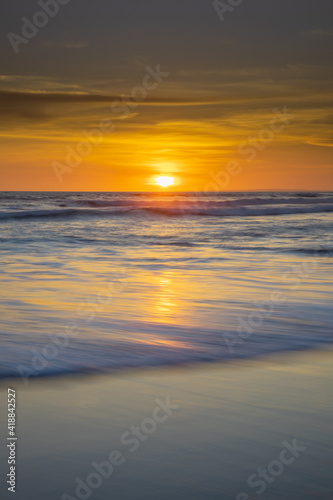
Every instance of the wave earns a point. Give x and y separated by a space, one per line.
72 212
23 214
200 210
203 199
100 355
239 211
326 251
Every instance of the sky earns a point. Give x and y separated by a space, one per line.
108 95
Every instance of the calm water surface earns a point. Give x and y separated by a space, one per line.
97 281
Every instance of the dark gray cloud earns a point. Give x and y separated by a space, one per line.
265 54
106 39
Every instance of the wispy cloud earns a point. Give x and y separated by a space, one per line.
321 32
65 44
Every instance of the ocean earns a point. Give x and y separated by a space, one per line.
103 281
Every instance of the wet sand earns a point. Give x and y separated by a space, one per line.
231 420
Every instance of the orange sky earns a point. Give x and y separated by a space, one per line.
198 110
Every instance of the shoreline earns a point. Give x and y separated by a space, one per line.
268 357
231 419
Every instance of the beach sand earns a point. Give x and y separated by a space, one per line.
232 419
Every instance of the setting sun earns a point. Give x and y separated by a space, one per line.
164 181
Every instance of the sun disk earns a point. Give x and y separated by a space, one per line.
164 181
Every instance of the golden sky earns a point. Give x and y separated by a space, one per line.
243 104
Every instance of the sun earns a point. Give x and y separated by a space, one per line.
164 181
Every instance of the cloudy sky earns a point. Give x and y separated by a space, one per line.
105 95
